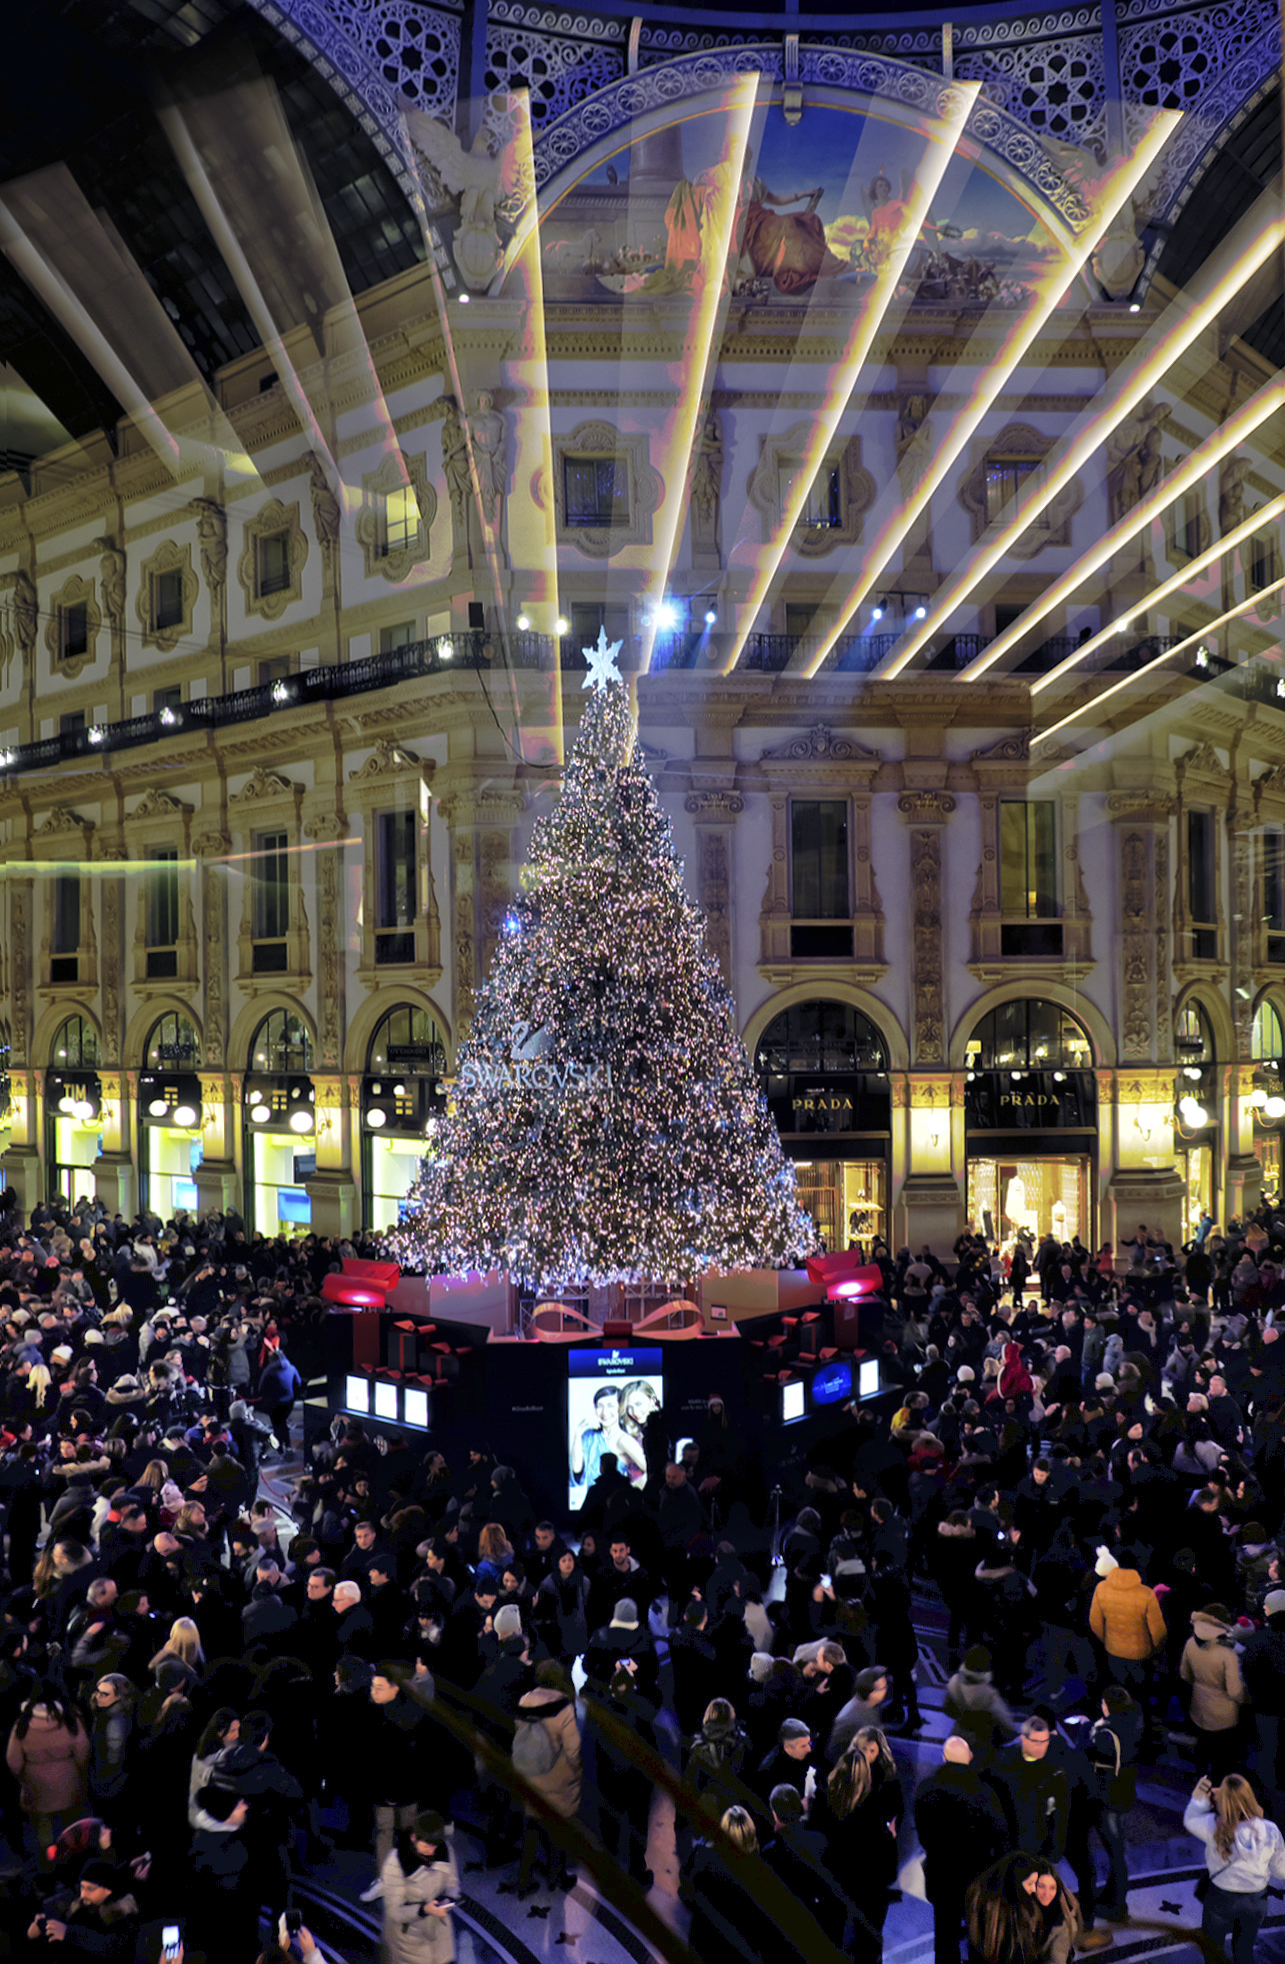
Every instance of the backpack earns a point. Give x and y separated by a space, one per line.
535 1750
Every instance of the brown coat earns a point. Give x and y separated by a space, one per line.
49 1765
1125 1616
1212 1669
560 1787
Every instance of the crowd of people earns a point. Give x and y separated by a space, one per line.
204 1689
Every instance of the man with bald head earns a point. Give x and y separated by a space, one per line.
961 1830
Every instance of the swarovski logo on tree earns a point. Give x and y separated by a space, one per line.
606 1124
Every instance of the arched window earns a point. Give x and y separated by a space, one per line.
75 1047
1193 1038
1268 1042
1029 1035
407 1039
281 1043
173 1044
820 1039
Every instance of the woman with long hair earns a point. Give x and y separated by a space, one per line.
860 1838
494 1551
421 1884
223 1729
47 1754
1244 1853
1061 1926
727 1924
639 1400
183 1646
1005 1923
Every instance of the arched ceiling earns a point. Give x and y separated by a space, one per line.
81 80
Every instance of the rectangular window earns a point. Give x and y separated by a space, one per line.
65 937
167 598
1005 477
397 868
400 636
162 897
171 698
274 669
398 521
71 722
1191 536
595 490
1261 559
823 505
273 561
73 631
1028 859
1200 865
271 891
819 877
1274 879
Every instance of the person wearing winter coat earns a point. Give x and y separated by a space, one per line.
279 1386
560 1609
421 1884
1113 1789
1211 1667
976 1708
48 1754
1126 1619
1243 1854
546 1761
1262 1670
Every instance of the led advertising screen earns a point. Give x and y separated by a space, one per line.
868 1377
357 1394
610 1396
415 1408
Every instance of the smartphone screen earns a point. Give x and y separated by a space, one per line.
170 1940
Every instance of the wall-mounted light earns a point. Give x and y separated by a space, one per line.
159 1107
376 1118
186 1116
96 733
1274 1107
562 625
301 1121
446 649
259 1114
524 622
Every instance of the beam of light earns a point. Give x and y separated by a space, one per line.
50 288
1256 522
82 270
904 514
1268 401
1086 709
1183 322
691 372
532 523
174 122
940 145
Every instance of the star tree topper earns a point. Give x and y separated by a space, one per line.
603 667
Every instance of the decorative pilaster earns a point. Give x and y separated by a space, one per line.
926 811
19 969
210 849
112 957
715 814
329 826
1142 820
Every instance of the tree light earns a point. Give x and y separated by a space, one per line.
524 622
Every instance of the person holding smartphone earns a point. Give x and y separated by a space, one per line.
421 1886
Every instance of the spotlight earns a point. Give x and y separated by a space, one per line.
96 733
1122 627
378 1090
524 622
1275 1107
375 1118
1258 1098
667 614
1202 657
464 299
280 692
876 613
562 625
1059 1077
711 618
1135 306
446 649
301 1121
158 1107
67 1103
186 1116
920 614
259 1114
168 718
399 1091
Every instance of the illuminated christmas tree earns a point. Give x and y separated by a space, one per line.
605 1124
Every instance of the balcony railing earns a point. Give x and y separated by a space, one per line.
767 654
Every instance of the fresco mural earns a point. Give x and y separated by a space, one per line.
821 207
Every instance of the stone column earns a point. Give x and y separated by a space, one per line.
23 1161
218 1182
932 1203
715 813
1145 1185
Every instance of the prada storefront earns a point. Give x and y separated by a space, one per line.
824 1073
1030 1113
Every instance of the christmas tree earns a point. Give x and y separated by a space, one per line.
605 1124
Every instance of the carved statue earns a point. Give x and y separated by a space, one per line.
455 466
911 416
478 180
212 531
1231 495
326 513
490 440
707 488
26 612
111 571
1134 463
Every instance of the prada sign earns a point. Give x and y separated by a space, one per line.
1034 1101
855 1102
